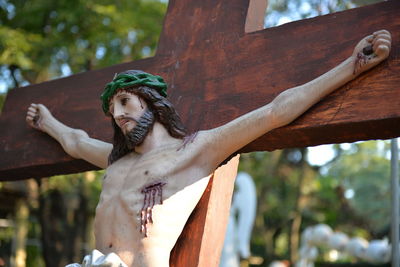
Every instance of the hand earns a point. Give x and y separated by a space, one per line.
36 115
371 50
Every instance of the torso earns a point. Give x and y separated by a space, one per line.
118 214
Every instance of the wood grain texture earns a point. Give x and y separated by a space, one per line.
200 244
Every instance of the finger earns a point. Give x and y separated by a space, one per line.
31 114
30 121
381 42
369 38
382 51
41 106
32 109
382 36
382 32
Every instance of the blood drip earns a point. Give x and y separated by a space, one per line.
188 139
152 195
360 61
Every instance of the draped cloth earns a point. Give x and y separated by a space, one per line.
98 259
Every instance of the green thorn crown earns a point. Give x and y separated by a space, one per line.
129 80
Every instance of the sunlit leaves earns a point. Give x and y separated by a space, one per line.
48 39
16 45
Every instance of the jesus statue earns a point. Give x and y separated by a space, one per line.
156 172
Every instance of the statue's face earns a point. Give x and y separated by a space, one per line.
126 108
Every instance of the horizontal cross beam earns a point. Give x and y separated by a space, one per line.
217 72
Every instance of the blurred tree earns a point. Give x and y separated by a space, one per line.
283 11
351 193
66 206
363 174
284 181
44 39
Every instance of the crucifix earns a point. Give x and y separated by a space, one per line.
220 66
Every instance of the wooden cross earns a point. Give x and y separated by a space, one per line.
218 68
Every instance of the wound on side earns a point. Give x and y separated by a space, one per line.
152 195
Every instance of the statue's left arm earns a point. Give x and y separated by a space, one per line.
290 104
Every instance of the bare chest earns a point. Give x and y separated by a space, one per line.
134 185
146 201
133 174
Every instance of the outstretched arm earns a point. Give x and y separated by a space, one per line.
290 104
75 142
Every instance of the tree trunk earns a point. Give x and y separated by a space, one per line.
296 223
21 232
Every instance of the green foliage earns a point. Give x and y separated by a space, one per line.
364 169
33 255
73 184
283 11
283 179
46 39
2 100
6 233
16 45
350 193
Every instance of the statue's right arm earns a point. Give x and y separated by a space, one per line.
75 142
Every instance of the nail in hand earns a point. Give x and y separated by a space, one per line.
368 50
36 120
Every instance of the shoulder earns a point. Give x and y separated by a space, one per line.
199 147
190 146
195 141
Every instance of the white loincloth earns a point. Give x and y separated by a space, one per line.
98 259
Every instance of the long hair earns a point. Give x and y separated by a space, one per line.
164 112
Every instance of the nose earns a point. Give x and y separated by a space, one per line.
117 110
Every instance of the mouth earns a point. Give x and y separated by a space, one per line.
124 121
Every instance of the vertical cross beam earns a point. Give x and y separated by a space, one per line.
200 243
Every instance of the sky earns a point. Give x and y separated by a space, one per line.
319 155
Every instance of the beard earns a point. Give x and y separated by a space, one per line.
144 125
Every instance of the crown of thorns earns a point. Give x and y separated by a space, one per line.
122 81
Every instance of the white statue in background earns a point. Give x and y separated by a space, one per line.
321 235
240 224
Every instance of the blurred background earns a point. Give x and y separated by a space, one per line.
48 222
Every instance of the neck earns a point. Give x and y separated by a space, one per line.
156 138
